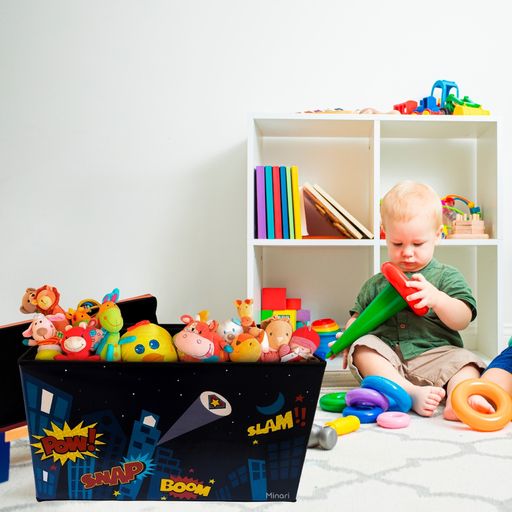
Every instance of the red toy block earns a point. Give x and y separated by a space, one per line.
273 298
293 304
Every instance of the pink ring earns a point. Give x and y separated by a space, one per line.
392 419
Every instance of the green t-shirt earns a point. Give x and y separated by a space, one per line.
417 334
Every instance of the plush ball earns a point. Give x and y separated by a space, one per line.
151 343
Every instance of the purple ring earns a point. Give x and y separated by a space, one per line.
366 397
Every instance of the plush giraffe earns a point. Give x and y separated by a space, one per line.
244 308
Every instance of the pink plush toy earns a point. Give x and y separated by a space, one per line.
43 334
303 344
199 341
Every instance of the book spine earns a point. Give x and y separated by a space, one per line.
284 203
290 202
278 218
261 211
269 202
296 201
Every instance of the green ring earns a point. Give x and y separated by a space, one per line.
333 402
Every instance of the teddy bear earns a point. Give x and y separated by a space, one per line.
278 332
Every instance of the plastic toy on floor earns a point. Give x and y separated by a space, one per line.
344 425
391 300
393 420
322 437
477 420
333 402
375 396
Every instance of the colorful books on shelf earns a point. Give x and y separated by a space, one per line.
277 204
284 210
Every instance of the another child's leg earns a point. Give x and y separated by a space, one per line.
425 399
499 376
470 371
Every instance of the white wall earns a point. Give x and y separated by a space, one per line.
123 126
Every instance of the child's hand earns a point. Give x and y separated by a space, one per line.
427 292
344 353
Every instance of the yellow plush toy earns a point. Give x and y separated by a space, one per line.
246 349
148 343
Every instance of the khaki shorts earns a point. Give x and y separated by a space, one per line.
434 367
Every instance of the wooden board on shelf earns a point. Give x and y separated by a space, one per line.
367 233
338 221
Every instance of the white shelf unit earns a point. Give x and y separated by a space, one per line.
357 159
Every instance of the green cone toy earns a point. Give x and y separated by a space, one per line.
388 302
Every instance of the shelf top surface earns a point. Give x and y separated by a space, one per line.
364 125
318 242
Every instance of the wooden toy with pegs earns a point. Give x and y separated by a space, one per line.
468 226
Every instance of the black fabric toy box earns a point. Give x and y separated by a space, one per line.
168 431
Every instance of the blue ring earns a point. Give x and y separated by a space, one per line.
403 401
365 415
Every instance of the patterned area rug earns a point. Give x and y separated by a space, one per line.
433 465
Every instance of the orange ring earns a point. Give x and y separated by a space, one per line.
477 420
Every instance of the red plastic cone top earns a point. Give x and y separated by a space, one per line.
391 300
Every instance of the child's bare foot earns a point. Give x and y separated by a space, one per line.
480 404
425 399
449 413
477 402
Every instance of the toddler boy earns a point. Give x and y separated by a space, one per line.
424 355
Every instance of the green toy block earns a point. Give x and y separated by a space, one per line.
266 313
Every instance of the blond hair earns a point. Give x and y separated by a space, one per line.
407 200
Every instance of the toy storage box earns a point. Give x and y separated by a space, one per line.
168 431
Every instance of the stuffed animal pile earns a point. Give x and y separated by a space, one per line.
92 332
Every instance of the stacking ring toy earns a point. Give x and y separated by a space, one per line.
333 402
365 415
392 419
477 420
344 425
366 397
389 388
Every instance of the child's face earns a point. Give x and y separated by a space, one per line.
411 243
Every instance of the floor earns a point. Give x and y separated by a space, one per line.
433 465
